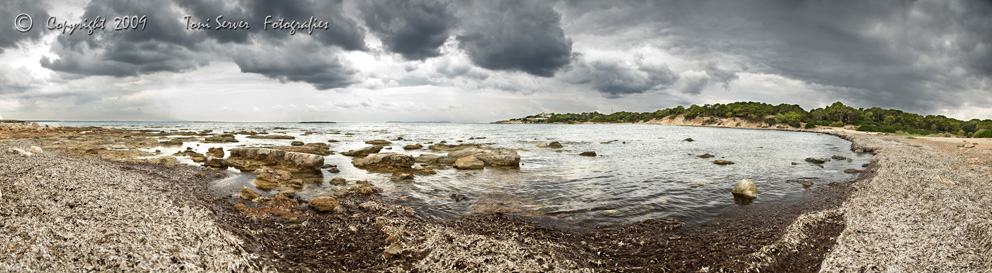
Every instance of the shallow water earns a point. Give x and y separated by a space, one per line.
648 172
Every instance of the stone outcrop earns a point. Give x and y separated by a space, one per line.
363 151
309 148
220 138
491 157
384 162
413 147
469 163
249 159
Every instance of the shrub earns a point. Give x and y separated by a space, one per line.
837 124
771 121
795 124
810 125
987 133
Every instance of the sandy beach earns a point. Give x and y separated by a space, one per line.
920 205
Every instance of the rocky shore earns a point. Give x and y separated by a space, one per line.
918 206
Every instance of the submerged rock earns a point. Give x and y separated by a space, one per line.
593 154
296 143
323 204
469 163
689 139
413 147
706 155
378 142
249 194
363 151
722 162
852 171
445 147
339 181
220 138
745 188
271 137
838 157
816 160
555 144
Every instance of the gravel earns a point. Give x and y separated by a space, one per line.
62 213
909 217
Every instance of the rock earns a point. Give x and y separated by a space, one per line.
745 188
118 147
220 138
19 151
838 157
457 197
172 142
364 151
271 137
852 171
378 142
944 180
722 162
35 150
806 183
339 181
253 158
215 152
413 147
364 187
689 139
542 145
587 153
249 194
816 160
215 162
491 157
706 155
859 151
309 148
323 204
445 147
296 143
974 160
469 163
333 170
402 176
332 140
795 163
384 162
554 144
429 159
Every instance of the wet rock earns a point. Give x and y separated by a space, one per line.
469 163
35 150
378 142
457 197
588 153
338 181
249 194
542 145
364 187
445 147
852 171
554 144
296 143
806 183
384 162
491 157
413 147
816 160
429 159
859 151
220 138
215 152
838 157
271 137
253 158
722 162
706 155
333 170
323 204
745 188
402 176
332 140
172 142
689 139
309 148
364 151
795 163
215 162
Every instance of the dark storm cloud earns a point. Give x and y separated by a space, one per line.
889 53
515 35
616 78
10 36
298 62
414 29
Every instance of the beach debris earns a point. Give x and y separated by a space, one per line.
554 144
722 162
745 188
413 146
364 151
590 153
19 151
469 163
944 180
296 143
974 160
706 155
817 161
323 204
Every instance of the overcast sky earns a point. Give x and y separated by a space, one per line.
480 61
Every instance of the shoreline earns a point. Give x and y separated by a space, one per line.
371 233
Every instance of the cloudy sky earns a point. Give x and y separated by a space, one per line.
479 61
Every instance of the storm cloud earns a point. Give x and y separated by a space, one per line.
9 35
414 29
515 35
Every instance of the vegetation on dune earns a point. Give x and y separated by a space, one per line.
873 119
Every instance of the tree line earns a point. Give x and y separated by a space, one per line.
873 119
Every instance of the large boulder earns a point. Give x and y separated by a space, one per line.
384 162
491 157
745 188
364 151
469 163
253 158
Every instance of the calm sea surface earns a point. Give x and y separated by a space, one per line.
648 172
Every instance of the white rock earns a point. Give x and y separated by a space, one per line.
36 149
746 188
19 151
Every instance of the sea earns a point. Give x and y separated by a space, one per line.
640 171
